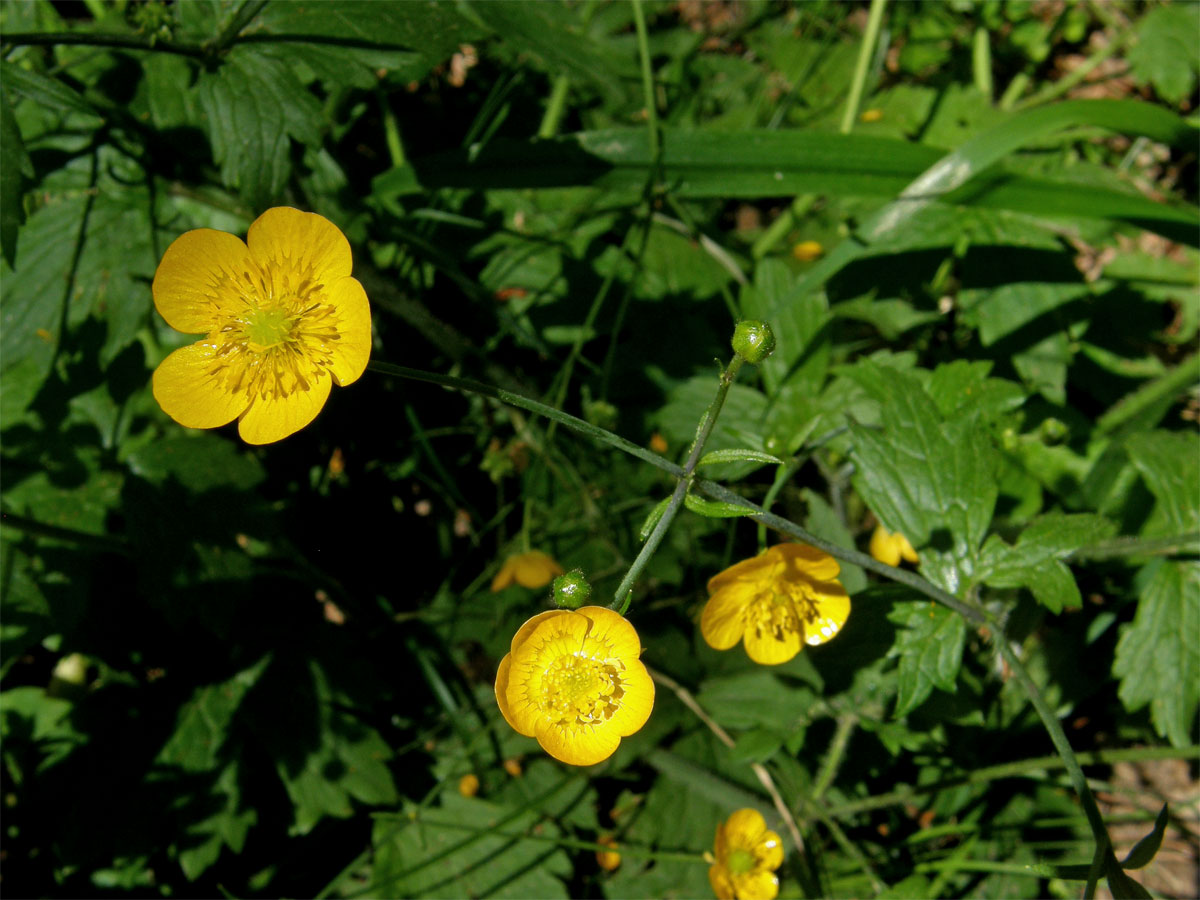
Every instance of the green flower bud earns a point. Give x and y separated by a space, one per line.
570 591
753 340
1053 431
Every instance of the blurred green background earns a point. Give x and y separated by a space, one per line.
262 671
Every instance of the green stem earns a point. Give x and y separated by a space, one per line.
782 477
555 106
625 589
779 229
639 21
244 16
124 41
391 130
866 51
1135 546
981 62
1056 89
833 759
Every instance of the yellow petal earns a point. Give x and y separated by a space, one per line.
535 569
746 569
723 621
769 852
801 558
612 632
196 279
757 884
883 548
833 609
186 389
767 650
532 623
582 745
273 419
637 702
502 678
302 242
504 577
353 347
718 877
744 828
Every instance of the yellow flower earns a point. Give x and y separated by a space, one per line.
747 856
573 680
807 251
512 766
871 115
468 785
533 569
776 602
610 859
282 318
889 547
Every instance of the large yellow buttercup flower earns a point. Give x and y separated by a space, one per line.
282 318
777 602
747 855
574 680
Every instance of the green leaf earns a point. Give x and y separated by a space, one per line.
962 388
199 461
1170 466
740 423
775 705
930 480
468 847
48 93
756 746
1125 888
802 333
714 509
1034 562
203 722
252 103
1157 657
929 645
1165 53
737 455
1146 849
15 166
653 518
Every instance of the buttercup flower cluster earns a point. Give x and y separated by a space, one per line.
282 321
775 603
574 680
747 855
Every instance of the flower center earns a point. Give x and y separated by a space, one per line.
580 690
775 614
740 861
282 338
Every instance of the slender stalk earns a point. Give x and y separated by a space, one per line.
833 758
639 21
866 50
244 16
981 62
625 588
96 39
555 106
1056 89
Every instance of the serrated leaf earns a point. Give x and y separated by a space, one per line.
962 388
1158 657
1146 849
714 509
1034 562
1165 53
204 720
1170 465
252 103
929 647
931 481
737 455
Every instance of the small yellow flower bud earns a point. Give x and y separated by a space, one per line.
807 251
512 766
607 859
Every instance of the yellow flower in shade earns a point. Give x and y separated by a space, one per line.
532 569
573 680
609 859
282 322
776 602
468 785
747 856
512 766
889 547
807 251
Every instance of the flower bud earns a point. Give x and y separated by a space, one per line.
570 591
753 340
1053 431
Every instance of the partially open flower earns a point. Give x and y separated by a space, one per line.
747 856
574 681
890 547
532 569
777 602
282 321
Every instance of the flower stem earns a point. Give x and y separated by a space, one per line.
639 21
625 589
866 52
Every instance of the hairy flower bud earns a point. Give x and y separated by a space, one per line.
570 591
753 340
